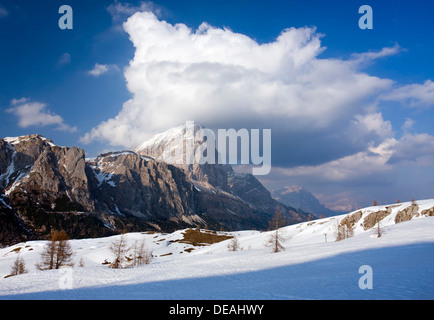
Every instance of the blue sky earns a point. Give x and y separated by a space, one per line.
361 126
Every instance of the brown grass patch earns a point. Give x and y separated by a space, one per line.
197 237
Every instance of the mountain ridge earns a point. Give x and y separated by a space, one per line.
44 186
300 198
217 176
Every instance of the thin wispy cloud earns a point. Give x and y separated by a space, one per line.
121 11
370 56
64 59
3 12
408 125
413 95
100 69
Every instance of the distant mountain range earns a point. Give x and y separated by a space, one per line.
297 197
44 186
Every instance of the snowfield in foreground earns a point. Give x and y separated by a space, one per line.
312 266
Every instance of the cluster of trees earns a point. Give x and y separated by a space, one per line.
127 256
344 230
58 253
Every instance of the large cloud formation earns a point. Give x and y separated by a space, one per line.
324 113
221 78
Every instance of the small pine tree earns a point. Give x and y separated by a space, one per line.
119 249
234 245
141 255
18 267
64 252
339 232
57 252
276 238
379 229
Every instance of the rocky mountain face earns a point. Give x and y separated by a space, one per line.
216 177
44 186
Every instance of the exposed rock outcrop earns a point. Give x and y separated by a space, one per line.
407 213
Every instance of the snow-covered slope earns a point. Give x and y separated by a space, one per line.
312 266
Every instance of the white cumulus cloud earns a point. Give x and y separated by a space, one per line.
220 78
33 113
98 69
325 113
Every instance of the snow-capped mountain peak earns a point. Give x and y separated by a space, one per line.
174 145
